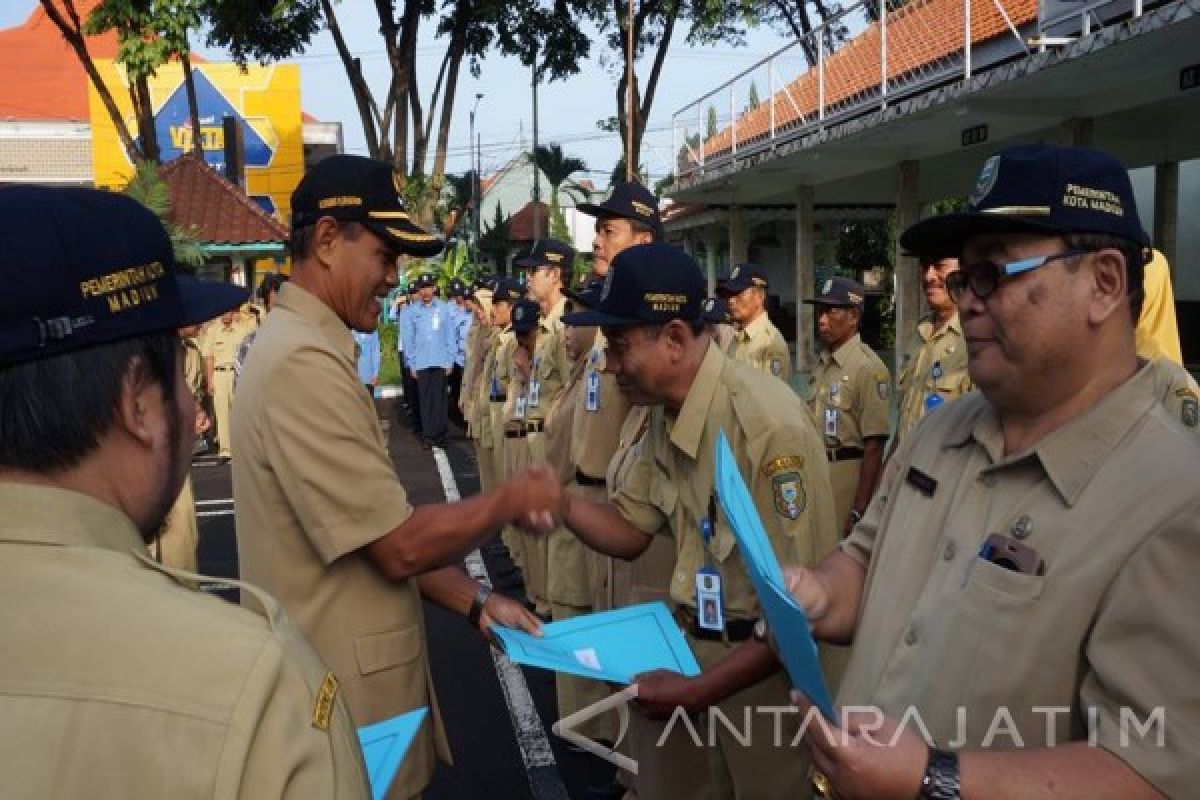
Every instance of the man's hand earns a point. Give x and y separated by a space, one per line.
870 756
809 590
660 691
540 499
500 610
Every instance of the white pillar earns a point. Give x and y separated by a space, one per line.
908 287
806 277
711 246
739 246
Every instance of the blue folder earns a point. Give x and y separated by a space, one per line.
611 646
384 745
788 623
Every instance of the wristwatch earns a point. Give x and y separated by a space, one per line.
855 516
940 781
481 598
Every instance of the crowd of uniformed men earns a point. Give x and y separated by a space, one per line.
1022 538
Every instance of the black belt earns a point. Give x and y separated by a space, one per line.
588 480
498 398
736 630
514 433
535 426
844 454
223 369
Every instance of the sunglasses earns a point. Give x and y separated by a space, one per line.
984 276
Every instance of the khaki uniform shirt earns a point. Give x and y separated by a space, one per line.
934 364
595 436
850 398
761 345
193 368
474 352
779 454
1177 390
508 383
221 343
313 485
481 400
1108 503
550 369
118 682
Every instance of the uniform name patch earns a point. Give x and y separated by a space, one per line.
323 708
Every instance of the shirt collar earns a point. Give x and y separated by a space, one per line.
305 305
842 354
688 426
755 327
48 515
1071 455
548 319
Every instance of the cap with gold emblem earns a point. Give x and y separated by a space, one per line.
627 200
742 278
647 284
525 316
357 189
839 292
84 267
548 253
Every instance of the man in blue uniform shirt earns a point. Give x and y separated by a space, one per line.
429 333
462 326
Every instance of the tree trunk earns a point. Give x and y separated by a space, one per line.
189 83
368 112
73 35
144 108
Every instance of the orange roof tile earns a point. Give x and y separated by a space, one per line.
220 212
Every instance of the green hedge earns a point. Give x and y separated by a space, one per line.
389 361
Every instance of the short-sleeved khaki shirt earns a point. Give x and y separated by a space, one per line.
934 366
596 435
313 485
762 346
779 454
221 343
119 682
1177 390
851 395
550 369
1108 502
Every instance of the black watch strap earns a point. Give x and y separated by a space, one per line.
940 781
477 604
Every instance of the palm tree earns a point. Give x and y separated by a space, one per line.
457 196
558 169
148 188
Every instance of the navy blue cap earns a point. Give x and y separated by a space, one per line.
359 189
647 284
627 200
742 278
83 267
548 253
839 291
525 316
485 282
506 290
425 279
716 310
1038 189
457 288
588 295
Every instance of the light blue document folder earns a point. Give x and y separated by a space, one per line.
609 646
384 745
788 623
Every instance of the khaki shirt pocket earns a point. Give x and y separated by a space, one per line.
379 651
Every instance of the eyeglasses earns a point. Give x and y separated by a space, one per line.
984 276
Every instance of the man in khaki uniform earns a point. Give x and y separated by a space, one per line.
661 353
933 370
221 344
756 340
321 517
479 338
118 681
504 388
1025 582
849 399
175 545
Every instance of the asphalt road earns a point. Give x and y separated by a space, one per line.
490 759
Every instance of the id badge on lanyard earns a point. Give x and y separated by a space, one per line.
519 409
437 320
710 604
831 412
593 391
932 398
535 385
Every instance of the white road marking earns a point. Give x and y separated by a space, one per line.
227 501
544 781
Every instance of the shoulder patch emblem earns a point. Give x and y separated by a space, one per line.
323 708
776 367
1190 413
788 490
782 464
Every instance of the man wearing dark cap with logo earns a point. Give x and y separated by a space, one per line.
322 519
629 216
430 332
1024 583
461 318
757 341
112 667
479 305
662 355
850 396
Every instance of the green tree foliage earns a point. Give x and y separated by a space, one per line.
752 101
495 243
710 123
148 188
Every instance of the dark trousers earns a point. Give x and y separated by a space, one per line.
455 381
411 402
431 389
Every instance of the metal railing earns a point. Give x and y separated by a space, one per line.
858 60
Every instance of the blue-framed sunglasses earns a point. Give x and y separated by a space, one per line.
984 276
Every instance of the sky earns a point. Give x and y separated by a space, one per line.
568 110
